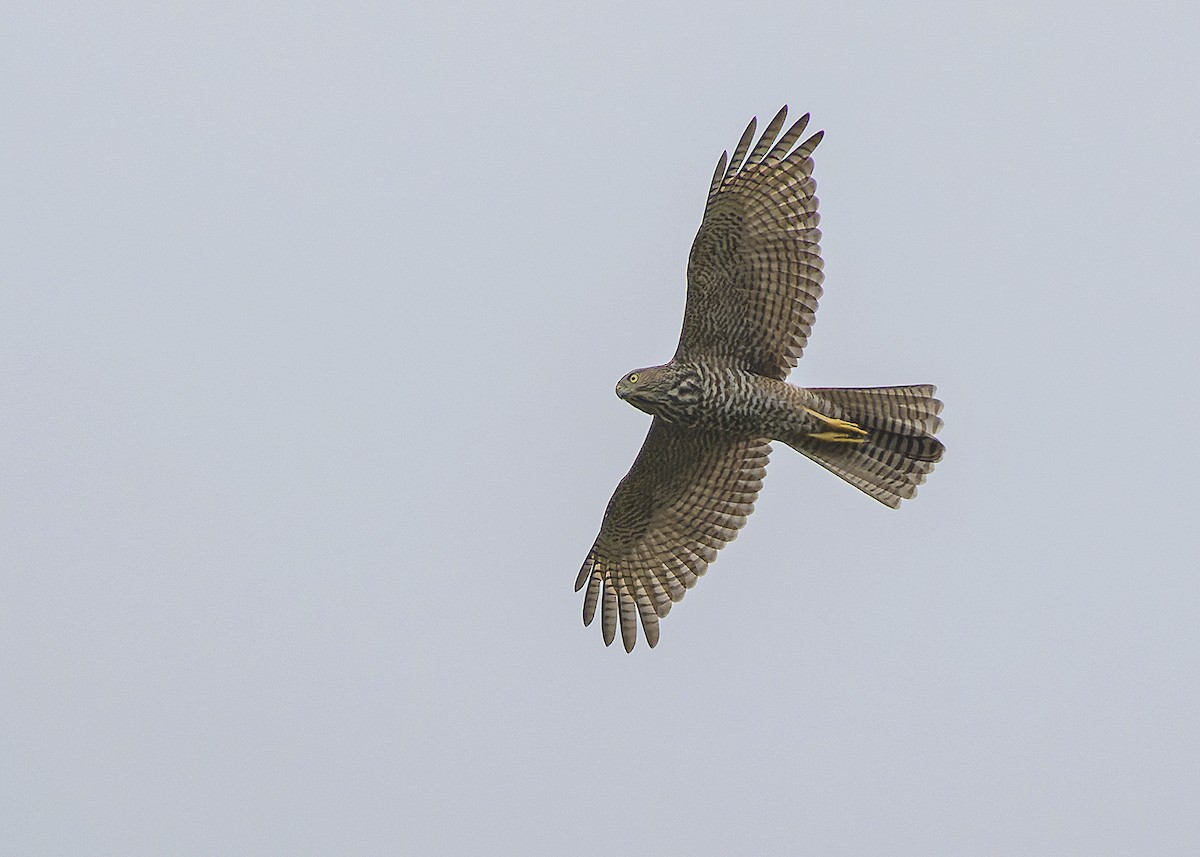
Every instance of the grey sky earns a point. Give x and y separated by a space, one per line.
309 323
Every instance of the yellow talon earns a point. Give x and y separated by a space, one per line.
842 426
837 437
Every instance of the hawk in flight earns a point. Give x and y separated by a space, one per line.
753 281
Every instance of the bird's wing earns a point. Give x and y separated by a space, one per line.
688 493
754 272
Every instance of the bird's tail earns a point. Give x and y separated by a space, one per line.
879 439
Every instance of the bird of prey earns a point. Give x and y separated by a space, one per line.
753 281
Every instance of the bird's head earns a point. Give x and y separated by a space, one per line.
670 391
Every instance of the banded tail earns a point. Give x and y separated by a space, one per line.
879 439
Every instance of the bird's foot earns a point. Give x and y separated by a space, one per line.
841 431
837 437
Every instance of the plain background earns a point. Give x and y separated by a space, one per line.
309 321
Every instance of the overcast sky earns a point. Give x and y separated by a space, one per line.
309 324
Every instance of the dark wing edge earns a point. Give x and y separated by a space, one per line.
685 497
755 269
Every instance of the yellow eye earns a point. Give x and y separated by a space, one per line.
633 378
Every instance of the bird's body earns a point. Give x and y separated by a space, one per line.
728 399
754 278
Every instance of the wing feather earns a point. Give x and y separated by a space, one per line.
768 135
789 138
743 146
755 269
686 496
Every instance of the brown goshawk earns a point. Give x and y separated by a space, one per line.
753 281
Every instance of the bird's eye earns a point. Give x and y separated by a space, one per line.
633 378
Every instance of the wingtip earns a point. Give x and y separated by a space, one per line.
585 571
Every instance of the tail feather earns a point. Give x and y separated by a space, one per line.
899 449
900 410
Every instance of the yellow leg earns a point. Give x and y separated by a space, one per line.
843 431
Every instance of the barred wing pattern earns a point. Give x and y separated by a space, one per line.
754 272
686 496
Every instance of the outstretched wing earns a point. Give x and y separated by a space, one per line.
754 272
686 496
